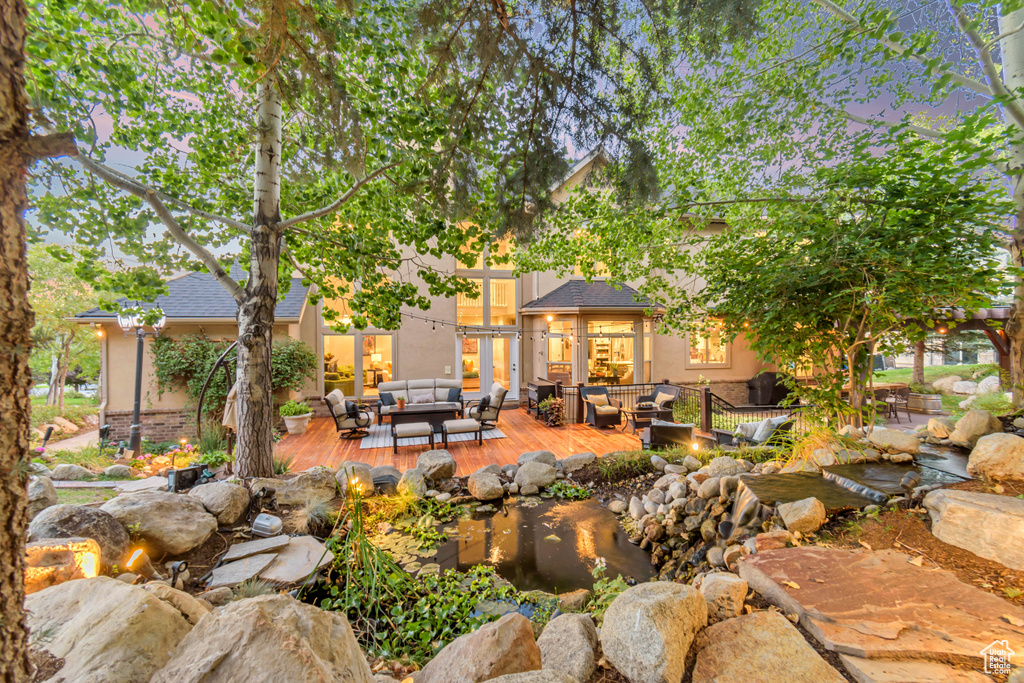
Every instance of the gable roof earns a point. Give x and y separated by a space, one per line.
580 294
198 296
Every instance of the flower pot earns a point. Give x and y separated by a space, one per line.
925 403
401 404
297 424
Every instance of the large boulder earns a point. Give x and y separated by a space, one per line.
965 387
170 523
105 630
724 466
485 486
987 525
725 594
74 521
316 483
119 472
989 384
66 472
568 645
227 502
894 441
761 646
546 457
944 385
358 476
577 462
413 482
268 639
536 473
41 495
505 646
998 456
941 427
50 561
974 425
542 676
648 629
437 465
805 516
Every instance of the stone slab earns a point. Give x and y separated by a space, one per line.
909 671
773 489
885 477
85 484
875 604
985 524
301 557
147 484
234 573
260 545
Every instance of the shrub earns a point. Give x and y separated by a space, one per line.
283 465
554 411
213 459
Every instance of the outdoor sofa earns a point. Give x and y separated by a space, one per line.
439 393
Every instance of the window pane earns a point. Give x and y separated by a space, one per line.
470 311
340 364
503 302
470 364
559 359
500 249
501 353
560 327
707 349
610 327
377 362
610 360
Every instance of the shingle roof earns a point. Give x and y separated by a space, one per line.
582 294
199 296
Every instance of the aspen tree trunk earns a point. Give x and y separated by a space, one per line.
917 376
15 328
256 312
1012 53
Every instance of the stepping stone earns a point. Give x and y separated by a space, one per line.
301 557
147 484
234 573
987 525
877 605
888 671
260 545
84 484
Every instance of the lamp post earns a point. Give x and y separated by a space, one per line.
133 323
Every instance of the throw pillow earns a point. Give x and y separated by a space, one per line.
351 409
387 398
422 398
453 394
599 400
485 402
661 397
764 430
417 395
748 429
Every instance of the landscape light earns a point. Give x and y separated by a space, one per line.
695 445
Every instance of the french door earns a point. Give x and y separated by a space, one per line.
484 360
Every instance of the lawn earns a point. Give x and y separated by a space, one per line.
84 496
934 372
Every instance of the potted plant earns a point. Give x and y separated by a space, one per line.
401 402
217 461
296 416
553 410
923 399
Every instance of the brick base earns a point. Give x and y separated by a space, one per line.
157 425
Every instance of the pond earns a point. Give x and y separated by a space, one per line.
547 545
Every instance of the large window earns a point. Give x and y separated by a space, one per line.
648 349
357 363
495 307
559 348
610 352
340 364
708 348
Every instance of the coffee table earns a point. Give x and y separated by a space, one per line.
424 413
640 418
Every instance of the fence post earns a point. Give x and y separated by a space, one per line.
558 388
705 410
665 381
579 402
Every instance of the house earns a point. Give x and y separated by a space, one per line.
535 325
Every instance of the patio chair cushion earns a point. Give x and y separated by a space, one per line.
599 400
461 426
407 429
606 410
335 398
661 397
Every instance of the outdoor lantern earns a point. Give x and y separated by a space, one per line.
129 322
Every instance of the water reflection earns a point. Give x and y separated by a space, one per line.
551 547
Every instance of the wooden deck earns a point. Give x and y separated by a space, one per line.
320 445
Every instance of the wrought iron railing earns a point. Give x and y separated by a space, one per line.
627 393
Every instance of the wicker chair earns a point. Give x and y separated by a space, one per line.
664 396
348 426
602 409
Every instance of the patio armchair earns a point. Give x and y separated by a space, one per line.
486 410
602 409
664 396
768 432
351 419
896 400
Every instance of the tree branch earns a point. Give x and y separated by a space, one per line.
200 252
50 146
905 51
132 186
337 204
988 66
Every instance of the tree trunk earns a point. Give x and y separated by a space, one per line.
1012 53
917 377
16 322
256 312
51 389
